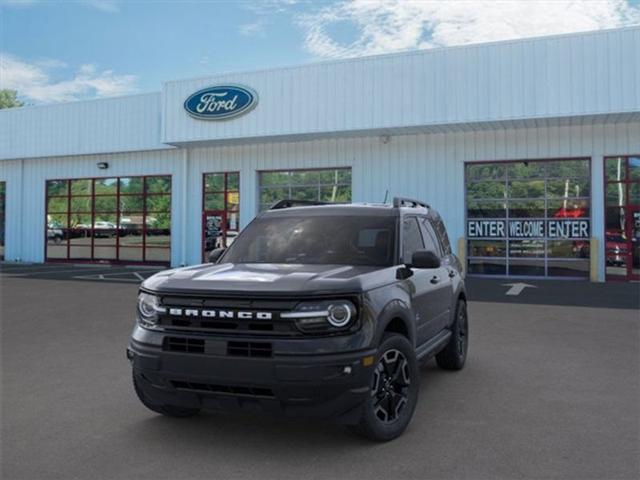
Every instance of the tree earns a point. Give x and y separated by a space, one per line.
9 99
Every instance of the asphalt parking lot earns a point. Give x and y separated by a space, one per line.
551 390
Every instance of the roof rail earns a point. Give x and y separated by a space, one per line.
409 202
290 202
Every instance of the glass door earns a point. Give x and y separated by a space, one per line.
622 218
634 244
220 211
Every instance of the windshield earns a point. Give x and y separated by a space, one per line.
342 240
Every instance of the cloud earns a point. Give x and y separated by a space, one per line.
252 29
34 81
388 26
17 3
109 6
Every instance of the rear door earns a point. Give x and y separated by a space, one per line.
441 295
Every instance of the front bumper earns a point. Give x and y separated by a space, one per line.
324 385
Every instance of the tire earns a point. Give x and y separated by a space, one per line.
454 355
375 422
167 410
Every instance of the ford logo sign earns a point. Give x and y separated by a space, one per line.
221 102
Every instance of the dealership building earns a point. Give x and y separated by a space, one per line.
529 149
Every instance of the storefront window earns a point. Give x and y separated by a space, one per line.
529 218
109 219
328 185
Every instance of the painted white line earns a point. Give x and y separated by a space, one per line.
147 267
517 288
92 265
140 277
96 277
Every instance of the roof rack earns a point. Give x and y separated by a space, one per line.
289 202
408 202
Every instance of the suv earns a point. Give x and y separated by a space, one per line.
314 310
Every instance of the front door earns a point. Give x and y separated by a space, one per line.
427 286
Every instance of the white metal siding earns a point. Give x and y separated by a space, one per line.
425 166
554 77
26 206
11 173
97 126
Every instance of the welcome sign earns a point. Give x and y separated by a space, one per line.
557 229
221 102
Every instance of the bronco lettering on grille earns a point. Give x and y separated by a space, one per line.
241 315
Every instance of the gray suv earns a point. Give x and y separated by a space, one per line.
314 310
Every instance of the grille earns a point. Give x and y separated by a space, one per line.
188 345
223 389
249 349
238 327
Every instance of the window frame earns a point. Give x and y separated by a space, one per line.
98 216
627 207
507 200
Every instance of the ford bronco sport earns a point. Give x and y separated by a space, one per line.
320 310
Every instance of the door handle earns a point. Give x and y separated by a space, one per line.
435 279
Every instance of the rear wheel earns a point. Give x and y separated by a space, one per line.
454 355
168 410
394 391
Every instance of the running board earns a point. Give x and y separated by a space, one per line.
434 345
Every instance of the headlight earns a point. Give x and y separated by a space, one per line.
324 316
148 309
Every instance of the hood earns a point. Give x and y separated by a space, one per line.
268 278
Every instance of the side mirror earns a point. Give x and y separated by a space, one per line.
215 254
424 259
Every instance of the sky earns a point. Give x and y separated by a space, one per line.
57 51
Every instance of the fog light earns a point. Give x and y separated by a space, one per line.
368 361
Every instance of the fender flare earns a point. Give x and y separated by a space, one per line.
392 310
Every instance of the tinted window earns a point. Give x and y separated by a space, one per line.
342 240
442 236
411 239
430 240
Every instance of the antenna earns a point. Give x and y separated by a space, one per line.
385 196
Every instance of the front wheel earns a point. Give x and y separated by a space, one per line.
394 391
454 355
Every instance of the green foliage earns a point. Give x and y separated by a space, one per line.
9 99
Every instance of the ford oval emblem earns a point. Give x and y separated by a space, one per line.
221 102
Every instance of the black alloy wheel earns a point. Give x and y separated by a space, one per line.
393 393
391 384
463 330
454 355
